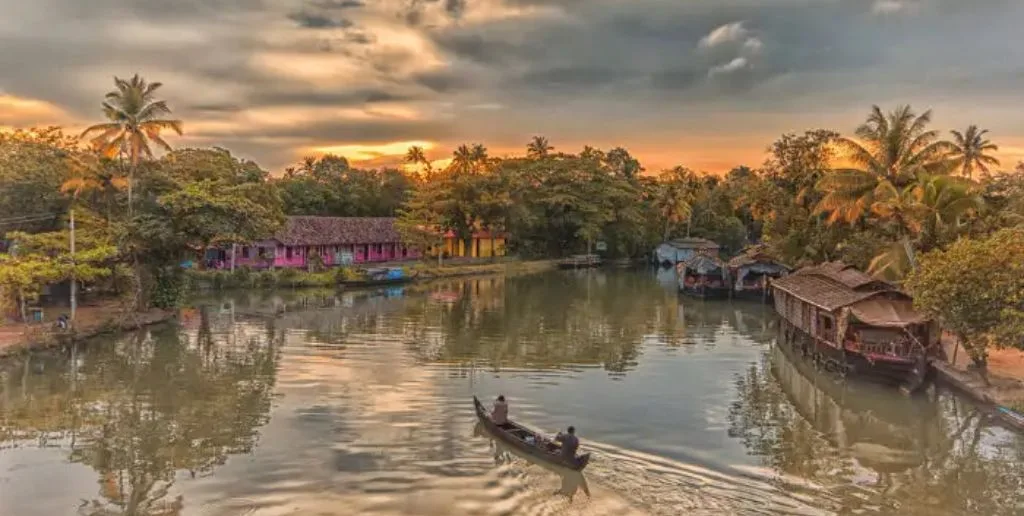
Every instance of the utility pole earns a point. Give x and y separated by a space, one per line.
74 281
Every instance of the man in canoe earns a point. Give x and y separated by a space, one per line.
500 412
570 443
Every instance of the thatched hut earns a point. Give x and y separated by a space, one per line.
752 272
704 276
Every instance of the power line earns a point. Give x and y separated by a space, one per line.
29 217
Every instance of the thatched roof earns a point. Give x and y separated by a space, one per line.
833 285
755 254
703 264
338 230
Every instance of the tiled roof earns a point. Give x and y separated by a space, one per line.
338 230
693 243
832 285
754 254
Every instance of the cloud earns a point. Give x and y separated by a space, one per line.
318 21
268 78
728 33
455 8
732 66
883 7
753 46
338 4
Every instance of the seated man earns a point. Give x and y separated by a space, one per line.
570 443
500 412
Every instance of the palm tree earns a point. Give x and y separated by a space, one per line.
416 156
462 159
478 155
88 174
943 202
893 147
674 207
969 151
921 212
538 148
134 123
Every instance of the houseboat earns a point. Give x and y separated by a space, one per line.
670 253
853 323
703 276
753 271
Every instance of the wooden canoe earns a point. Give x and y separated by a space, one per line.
379 282
515 436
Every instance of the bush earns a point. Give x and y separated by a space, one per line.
265 279
346 274
288 277
241 277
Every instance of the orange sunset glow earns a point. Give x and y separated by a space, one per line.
679 84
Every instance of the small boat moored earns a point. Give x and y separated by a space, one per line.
528 441
381 276
580 261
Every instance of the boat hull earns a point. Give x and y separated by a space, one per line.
375 283
886 369
705 293
508 434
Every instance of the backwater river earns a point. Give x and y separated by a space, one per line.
359 402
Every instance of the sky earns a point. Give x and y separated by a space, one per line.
708 84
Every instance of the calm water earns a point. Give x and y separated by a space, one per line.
360 404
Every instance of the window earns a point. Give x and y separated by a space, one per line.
245 252
380 248
288 252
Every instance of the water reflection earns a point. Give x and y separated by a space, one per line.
865 450
358 403
141 409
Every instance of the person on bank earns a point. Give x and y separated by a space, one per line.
500 412
570 443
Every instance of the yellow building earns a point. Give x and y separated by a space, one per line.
481 246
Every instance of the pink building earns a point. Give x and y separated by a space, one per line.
334 239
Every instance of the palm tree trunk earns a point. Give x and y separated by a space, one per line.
131 184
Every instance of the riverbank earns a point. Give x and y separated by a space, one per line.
510 267
213 280
90 321
1002 394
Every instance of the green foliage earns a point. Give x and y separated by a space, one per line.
168 288
329 186
346 274
976 289
207 197
34 163
243 278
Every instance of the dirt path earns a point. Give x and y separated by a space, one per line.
90 320
1005 372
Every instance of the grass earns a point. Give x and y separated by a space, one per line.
244 278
